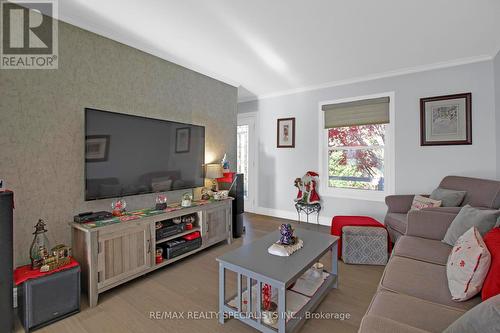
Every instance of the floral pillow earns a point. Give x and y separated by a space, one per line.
467 266
420 202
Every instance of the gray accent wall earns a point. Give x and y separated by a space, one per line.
42 124
417 169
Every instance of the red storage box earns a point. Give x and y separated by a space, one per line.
192 236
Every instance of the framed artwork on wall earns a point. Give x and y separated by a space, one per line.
182 140
446 120
286 133
96 148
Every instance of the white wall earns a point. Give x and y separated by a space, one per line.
417 169
496 63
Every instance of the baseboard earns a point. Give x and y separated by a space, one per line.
292 215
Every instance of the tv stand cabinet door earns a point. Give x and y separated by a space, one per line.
123 253
217 224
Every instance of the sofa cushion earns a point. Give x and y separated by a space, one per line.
413 311
467 266
421 279
483 219
448 198
420 202
376 324
480 192
397 221
483 318
428 250
491 286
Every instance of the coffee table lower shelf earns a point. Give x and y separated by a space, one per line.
295 321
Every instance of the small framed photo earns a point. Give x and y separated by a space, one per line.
96 148
446 120
182 139
286 133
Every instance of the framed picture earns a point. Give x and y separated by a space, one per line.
182 139
446 120
286 133
96 148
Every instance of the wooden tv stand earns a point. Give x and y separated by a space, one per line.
112 254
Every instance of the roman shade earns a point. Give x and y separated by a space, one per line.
364 112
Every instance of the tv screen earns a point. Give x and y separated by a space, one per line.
128 155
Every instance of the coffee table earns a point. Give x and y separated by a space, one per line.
253 263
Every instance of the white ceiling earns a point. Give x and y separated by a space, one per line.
269 47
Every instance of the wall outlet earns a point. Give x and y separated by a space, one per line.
15 297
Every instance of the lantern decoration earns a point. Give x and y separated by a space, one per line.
118 207
40 246
161 202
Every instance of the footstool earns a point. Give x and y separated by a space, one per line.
364 245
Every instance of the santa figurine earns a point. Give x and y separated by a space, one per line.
307 188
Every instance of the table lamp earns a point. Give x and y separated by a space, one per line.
213 171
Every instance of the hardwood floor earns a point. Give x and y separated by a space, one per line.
192 285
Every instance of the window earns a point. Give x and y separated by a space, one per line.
356 152
356 157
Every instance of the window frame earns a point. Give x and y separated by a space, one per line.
324 149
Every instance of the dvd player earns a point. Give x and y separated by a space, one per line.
92 217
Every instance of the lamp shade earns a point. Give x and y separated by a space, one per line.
213 171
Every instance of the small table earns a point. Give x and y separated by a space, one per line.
259 267
308 209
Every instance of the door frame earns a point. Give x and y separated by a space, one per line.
253 186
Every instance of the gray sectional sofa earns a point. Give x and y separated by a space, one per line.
413 294
480 193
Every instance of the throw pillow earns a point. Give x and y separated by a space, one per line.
467 266
491 286
448 198
483 219
420 202
483 318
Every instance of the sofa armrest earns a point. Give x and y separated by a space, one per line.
399 203
431 224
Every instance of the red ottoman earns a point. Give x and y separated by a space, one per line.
339 222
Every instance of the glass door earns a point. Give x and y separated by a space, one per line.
246 158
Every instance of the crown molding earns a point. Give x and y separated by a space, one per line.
400 72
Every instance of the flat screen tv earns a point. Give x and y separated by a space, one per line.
128 155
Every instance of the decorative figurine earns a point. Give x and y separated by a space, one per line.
307 188
286 232
39 246
118 207
225 163
205 194
159 255
187 199
161 202
269 314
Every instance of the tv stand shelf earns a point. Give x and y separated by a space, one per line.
116 252
163 240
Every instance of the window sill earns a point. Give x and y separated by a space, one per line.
363 195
